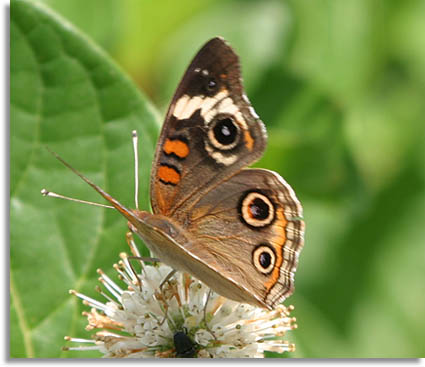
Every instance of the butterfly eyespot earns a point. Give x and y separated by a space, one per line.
256 210
211 84
224 133
264 258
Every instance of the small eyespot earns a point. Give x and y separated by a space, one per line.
211 84
264 258
224 133
257 210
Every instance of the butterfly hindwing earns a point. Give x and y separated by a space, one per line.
252 218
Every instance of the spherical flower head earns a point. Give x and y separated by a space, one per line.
180 317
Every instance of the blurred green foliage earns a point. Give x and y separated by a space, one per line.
340 86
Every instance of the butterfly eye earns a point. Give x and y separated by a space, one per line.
264 258
224 133
256 210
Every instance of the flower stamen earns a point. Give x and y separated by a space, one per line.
150 319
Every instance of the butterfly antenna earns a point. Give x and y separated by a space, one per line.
136 167
131 217
51 194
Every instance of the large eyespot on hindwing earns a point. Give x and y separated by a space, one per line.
264 258
224 132
256 209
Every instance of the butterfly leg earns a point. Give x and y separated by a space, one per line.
135 250
144 259
136 256
167 278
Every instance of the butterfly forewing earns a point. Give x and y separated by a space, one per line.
210 132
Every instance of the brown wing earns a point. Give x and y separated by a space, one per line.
210 131
252 226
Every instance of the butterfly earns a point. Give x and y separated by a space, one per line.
237 229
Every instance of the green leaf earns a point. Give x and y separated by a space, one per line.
105 31
68 95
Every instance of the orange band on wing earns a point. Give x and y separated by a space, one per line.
177 147
278 241
168 175
249 141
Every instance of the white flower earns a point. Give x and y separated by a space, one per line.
146 321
